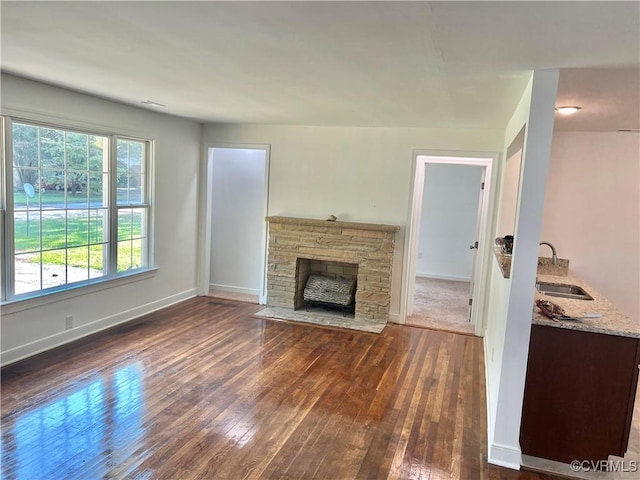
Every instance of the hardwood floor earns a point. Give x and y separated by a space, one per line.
203 390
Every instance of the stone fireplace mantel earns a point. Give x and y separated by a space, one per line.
369 246
337 224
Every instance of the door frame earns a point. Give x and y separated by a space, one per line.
206 212
477 233
420 160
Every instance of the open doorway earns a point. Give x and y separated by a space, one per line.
448 219
237 193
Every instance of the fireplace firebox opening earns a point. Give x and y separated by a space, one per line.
325 283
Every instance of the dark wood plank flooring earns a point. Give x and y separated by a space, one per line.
204 390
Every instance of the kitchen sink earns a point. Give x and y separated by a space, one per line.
563 290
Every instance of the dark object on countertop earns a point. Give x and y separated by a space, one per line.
550 309
506 243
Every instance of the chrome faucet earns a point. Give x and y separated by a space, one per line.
554 257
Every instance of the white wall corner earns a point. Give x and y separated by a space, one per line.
394 317
232 289
504 456
504 445
487 376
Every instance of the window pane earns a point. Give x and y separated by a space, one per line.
124 223
98 158
77 189
53 268
52 148
77 227
54 227
130 175
98 226
25 145
136 153
136 192
76 151
97 259
124 256
27 273
138 222
52 182
137 253
96 189
130 255
25 187
77 264
26 227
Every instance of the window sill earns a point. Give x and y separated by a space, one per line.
97 285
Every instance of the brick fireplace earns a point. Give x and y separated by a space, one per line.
299 246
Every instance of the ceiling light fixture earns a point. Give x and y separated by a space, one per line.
149 103
567 110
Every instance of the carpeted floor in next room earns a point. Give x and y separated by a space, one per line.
441 304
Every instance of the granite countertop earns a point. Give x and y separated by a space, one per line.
612 322
545 264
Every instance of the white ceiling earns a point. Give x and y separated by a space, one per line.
408 64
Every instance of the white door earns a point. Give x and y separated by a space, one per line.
448 227
476 242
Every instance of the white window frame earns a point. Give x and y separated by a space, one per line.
111 278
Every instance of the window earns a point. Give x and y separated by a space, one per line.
132 203
77 208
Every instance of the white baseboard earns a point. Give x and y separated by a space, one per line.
504 456
52 341
499 454
443 277
230 289
487 394
394 317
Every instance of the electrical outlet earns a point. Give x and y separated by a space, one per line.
68 322
419 255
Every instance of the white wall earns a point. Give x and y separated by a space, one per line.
511 187
237 222
498 303
507 335
448 221
592 211
177 154
357 174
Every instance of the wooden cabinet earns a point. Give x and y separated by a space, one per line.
579 394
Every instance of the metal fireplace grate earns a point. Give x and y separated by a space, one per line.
329 291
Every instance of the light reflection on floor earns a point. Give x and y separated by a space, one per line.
70 436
